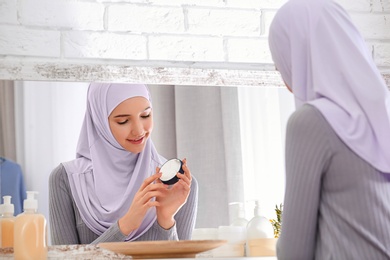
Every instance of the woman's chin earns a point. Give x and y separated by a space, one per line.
135 148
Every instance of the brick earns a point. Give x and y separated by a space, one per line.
104 45
189 2
8 12
258 4
373 26
380 6
355 5
135 18
21 41
267 18
248 50
177 48
62 13
224 22
125 1
382 54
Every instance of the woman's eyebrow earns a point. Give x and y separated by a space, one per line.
127 115
124 115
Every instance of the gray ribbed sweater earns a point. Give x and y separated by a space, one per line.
337 206
67 226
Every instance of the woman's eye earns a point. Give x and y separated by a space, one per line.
148 115
123 122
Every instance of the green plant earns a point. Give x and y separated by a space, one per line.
277 223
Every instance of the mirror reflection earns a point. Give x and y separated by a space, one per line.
232 137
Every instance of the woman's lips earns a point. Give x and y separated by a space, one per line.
136 141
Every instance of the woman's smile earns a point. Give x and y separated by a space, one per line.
136 141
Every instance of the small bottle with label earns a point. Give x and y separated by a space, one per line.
30 232
259 231
7 221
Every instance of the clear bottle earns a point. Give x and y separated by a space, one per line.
7 221
258 229
238 214
30 231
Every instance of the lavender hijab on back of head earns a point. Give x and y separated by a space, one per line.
325 60
104 177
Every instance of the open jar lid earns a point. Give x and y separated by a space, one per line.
169 170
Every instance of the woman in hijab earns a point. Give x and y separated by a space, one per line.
111 192
337 196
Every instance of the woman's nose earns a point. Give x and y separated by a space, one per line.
137 129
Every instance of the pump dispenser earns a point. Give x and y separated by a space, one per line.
258 229
7 223
30 231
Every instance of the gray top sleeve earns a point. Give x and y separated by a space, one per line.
67 226
336 205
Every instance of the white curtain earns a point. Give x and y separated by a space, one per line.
232 137
49 117
263 117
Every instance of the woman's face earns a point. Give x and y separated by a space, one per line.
131 123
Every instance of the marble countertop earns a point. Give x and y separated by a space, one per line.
71 252
86 252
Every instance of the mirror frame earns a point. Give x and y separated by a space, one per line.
161 73
199 74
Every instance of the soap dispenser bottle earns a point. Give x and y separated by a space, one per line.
258 229
30 231
238 214
7 223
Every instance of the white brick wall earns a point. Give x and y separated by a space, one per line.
380 5
61 14
8 11
382 53
191 48
373 26
356 5
104 45
223 22
143 19
248 50
223 32
29 42
258 4
186 2
268 16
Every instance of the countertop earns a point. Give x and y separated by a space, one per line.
86 252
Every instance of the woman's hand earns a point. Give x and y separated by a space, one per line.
143 200
173 197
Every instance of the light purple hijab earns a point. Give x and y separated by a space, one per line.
104 177
325 60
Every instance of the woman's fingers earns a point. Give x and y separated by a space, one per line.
151 195
153 190
185 185
187 171
150 180
186 177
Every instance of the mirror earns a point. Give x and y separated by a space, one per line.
232 137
